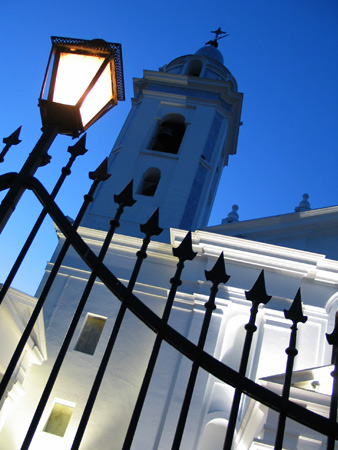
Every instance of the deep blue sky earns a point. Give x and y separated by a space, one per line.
283 55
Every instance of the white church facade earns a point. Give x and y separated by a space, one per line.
181 130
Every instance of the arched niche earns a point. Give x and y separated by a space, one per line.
213 435
149 182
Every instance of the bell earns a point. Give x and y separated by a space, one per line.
166 131
165 138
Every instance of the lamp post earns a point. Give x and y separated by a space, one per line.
83 81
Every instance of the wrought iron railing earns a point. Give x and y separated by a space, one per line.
159 325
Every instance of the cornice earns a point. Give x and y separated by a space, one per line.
125 244
258 255
185 82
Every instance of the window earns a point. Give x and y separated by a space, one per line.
59 418
150 182
169 134
195 68
90 334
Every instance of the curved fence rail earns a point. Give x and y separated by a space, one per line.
159 325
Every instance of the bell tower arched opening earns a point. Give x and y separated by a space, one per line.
169 134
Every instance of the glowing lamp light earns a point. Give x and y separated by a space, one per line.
83 81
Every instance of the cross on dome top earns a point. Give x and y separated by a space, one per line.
219 34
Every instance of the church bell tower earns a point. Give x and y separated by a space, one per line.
181 129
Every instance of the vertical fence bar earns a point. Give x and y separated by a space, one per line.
295 314
123 199
99 175
257 295
75 150
183 252
216 275
151 228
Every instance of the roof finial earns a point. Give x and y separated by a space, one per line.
304 205
232 216
219 34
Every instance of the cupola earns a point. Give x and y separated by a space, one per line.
207 62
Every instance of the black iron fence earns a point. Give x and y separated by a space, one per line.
159 325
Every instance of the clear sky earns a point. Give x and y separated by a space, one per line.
283 55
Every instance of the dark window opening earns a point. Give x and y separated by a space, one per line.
90 334
150 182
169 137
195 68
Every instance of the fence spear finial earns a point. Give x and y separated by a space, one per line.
151 227
125 198
257 294
79 148
184 250
13 139
217 274
295 313
101 173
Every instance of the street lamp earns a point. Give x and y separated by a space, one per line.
83 81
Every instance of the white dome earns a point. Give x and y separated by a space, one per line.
211 52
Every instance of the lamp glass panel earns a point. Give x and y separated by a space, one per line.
74 74
98 97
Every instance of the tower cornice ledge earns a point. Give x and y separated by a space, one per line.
198 83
